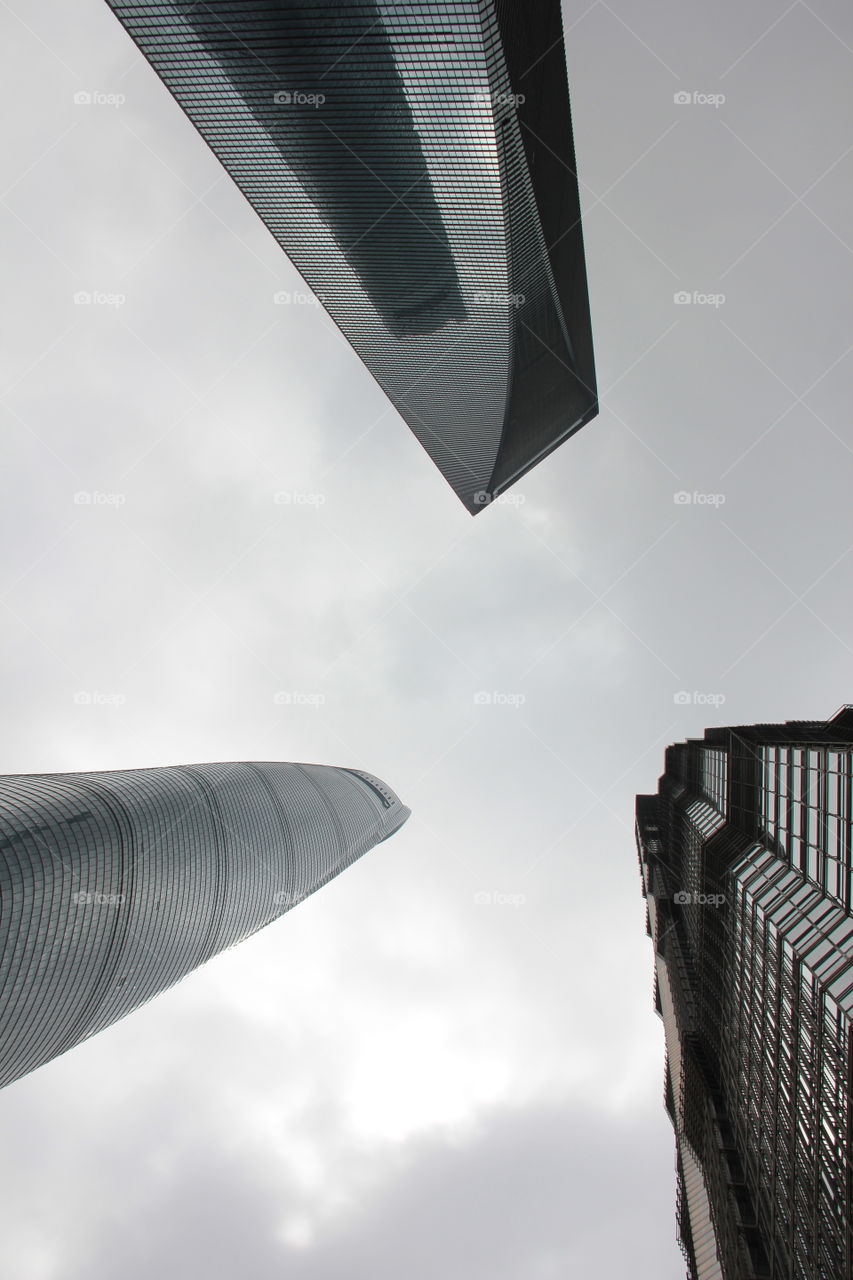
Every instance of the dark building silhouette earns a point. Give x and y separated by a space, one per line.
416 163
115 885
746 863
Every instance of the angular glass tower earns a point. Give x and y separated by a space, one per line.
113 886
746 855
416 163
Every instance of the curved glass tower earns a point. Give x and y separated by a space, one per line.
115 885
416 163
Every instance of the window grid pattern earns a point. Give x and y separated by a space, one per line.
113 886
787 1054
760 992
714 764
416 163
805 812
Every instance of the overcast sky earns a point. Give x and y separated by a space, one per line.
400 1078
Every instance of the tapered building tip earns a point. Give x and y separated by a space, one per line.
394 812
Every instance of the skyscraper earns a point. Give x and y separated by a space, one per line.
113 886
745 854
416 163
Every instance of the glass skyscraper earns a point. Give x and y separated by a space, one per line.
115 885
746 855
416 163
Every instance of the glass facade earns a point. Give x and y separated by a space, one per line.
745 856
113 886
416 163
